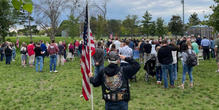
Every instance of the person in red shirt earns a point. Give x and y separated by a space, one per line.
53 51
76 45
31 53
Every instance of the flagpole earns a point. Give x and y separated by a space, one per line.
90 53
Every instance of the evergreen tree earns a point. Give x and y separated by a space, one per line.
160 30
194 20
153 28
176 25
146 23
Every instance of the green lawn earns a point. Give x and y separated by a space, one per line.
23 88
36 39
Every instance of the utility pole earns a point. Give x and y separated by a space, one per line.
30 27
182 1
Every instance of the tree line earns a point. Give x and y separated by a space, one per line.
48 12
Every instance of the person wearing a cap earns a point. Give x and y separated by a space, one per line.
193 37
198 41
189 38
195 48
205 43
114 81
39 57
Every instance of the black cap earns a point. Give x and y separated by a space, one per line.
113 56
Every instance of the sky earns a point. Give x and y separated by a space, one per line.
118 9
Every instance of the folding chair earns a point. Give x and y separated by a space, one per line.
136 54
200 55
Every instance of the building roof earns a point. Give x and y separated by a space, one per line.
197 26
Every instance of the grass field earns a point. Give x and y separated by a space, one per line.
23 88
36 39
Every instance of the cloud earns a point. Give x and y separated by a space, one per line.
158 8
118 9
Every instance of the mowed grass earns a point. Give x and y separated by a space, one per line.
23 88
36 39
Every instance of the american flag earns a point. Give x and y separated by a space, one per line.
85 63
17 43
111 35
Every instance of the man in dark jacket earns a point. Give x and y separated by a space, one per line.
166 60
44 49
8 53
114 81
131 44
39 57
142 50
198 41
98 59
147 51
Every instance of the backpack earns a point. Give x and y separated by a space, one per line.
191 60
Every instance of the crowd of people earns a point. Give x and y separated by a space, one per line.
114 79
36 52
166 51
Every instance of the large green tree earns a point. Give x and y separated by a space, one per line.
214 17
194 20
146 23
8 17
153 28
160 30
93 24
71 26
100 27
114 26
74 27
131 24
176 25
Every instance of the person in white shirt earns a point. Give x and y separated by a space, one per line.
117 43
153 47
174 55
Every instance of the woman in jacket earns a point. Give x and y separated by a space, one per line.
70 51
8 53
174 55
23 54
186 68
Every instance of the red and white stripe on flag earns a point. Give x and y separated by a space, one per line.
85 68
